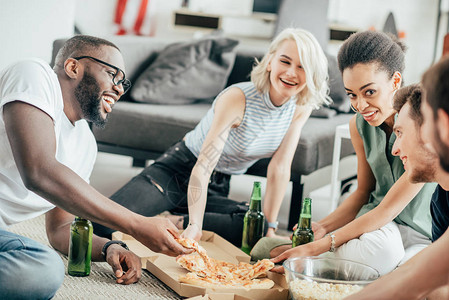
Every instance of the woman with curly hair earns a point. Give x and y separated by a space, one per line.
386 220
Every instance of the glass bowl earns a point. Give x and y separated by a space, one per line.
316 278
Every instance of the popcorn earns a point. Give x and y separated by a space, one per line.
311 290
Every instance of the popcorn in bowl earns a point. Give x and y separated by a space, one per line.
319 278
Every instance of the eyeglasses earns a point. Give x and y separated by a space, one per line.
118 77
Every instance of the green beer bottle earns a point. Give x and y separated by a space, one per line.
303 233
80 247
254 220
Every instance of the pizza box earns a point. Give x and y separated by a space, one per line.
219 296
168 270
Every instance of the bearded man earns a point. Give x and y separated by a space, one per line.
47 153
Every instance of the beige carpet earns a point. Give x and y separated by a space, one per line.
100 284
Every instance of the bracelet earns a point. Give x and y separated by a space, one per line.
198 226
106 246
273 225
332 249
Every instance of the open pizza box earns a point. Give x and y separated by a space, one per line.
168 270
219 296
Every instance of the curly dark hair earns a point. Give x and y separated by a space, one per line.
436 85
373 46
410 94
80 45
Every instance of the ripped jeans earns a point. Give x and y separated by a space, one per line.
162 186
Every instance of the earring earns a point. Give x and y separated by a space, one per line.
354 109
394 92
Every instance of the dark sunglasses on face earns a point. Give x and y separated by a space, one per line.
118 77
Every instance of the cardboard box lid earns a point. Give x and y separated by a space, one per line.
219 296
168 270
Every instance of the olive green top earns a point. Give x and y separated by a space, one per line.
387 169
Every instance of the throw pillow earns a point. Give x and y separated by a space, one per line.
184 73
337 90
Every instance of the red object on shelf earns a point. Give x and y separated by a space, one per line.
135 17
446 44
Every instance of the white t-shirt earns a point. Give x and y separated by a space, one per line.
33 81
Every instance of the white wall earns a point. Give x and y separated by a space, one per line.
417 18
28 27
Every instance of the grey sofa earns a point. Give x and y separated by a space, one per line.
144 131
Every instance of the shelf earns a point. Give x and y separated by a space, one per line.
187 18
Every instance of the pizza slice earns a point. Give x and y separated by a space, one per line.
213 273
259 269
194 263
192 244
215 283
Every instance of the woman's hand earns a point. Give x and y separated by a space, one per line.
192 231
318 230
303 250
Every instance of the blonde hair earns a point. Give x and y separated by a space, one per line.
313 60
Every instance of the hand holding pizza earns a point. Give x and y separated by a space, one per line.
158 235
126 266
193 232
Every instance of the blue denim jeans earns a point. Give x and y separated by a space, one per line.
163 186
28 269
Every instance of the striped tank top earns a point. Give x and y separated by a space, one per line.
259 135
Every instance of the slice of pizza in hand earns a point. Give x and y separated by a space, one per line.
194 245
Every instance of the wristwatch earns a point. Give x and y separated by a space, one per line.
273 225
106 246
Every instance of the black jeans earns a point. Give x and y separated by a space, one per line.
163 186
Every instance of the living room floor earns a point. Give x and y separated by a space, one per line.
112 171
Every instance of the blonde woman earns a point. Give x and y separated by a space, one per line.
247 121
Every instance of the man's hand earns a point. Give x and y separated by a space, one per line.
158 235
192 231
126 266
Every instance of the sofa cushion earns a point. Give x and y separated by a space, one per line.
149 127
139 126
181 66
244 63
337 90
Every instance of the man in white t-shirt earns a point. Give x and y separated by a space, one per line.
47 153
